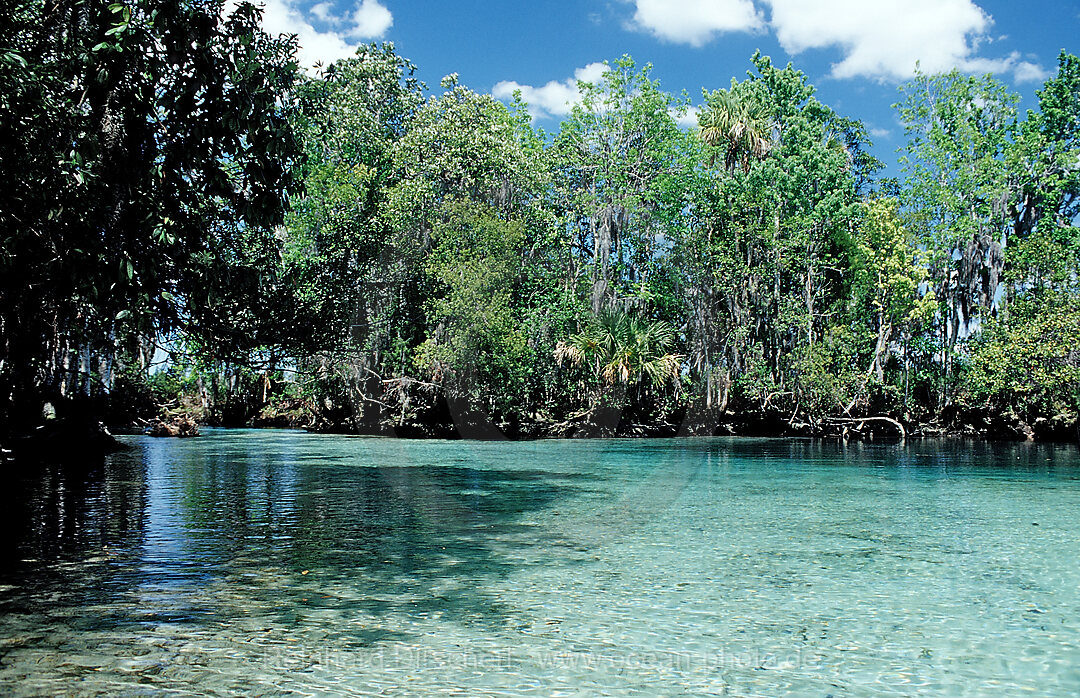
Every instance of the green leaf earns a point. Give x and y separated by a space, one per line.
12 57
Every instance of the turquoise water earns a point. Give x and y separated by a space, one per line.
274 562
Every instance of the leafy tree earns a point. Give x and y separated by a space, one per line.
476 347
991 200
1044 169
462 145
1029 367
740 127
145 154
957 187
460 172
352 117
887 272
758 246
341 255
612 164
624 348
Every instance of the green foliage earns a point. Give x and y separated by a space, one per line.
167 386
1030 364
624 348
1045 164
888 268
443 263
461 145
829 376
959 129
741 128
759 245
615 172
993 202
476 345
892 304
146 150
338 244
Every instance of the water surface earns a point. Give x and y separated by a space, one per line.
275 562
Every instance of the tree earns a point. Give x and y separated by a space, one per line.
612 162
759 247
457 171
475 345
742 128
1043 166
341 256
144 148
352 117
887 272
1029 367
624 348
956 194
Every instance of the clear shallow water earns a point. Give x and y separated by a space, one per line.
271 562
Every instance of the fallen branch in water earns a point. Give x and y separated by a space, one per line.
569 421
406 381
862 420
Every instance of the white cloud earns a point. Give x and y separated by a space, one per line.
884 39
556 98
695 22
323 11
593 72
687 120
880 132
1026 71
1023 71
370 20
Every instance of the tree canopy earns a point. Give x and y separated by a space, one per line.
386 258
147 150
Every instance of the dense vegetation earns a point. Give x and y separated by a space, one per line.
190 224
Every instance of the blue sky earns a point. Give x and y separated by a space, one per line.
855 52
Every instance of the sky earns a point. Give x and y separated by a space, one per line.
855 52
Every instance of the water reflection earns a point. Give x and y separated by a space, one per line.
67 529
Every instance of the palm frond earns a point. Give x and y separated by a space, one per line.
624 348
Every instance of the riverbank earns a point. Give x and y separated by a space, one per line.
971 424
61 439
80 438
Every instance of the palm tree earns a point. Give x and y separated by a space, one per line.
624 348
743 127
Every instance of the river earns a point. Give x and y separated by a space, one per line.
278 562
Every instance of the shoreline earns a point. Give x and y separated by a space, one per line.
60 439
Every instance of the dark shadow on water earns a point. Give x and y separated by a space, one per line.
178 533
